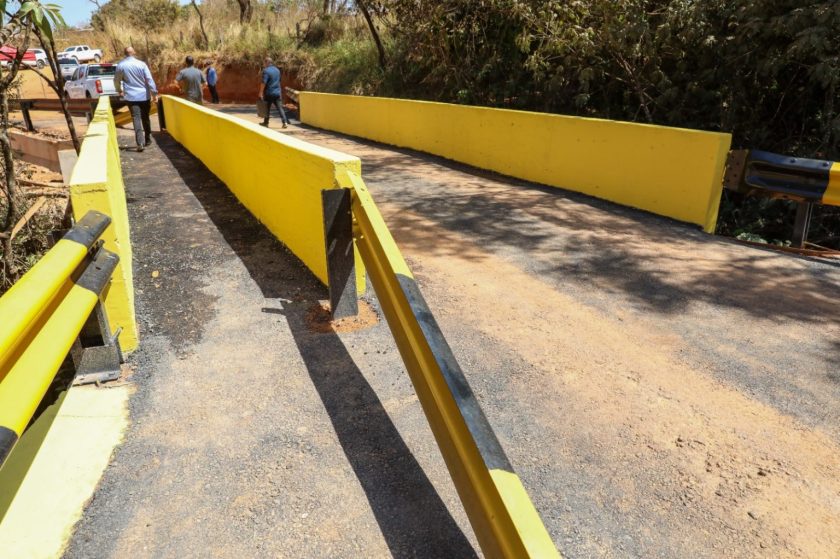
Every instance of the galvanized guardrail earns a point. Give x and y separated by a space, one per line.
502 515
806 181
42 316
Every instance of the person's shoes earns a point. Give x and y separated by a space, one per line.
148 142
264 124
140 148
285 125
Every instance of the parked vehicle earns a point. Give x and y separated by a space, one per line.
8 54
91 81
40 58
83 53
68 66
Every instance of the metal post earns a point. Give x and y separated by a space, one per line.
161 116
27 118
341 262
803 223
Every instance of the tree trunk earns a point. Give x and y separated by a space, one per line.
57 84
245 11
10 188
362 4
201 25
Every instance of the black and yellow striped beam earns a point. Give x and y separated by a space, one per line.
502 515
26 377
781 176
27 299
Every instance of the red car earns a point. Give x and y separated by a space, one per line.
8 54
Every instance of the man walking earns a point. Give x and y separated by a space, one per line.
271 92
212 80
134 82
191 81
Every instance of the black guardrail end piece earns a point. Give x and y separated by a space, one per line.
89 228
98 272
341 262
8 438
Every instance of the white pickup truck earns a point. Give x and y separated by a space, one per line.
83 53
90 81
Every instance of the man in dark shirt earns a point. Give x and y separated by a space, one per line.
271 92
191 81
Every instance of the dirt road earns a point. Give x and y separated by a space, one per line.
668 393
661 392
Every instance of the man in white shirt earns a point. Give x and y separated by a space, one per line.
134 82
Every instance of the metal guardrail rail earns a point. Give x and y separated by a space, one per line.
806 181
42 316
502 515
782 176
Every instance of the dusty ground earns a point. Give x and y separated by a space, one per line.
661 392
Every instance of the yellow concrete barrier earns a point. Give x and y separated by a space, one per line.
97 184
672 172
277 177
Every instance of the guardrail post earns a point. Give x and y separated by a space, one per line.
341 263
27 118
161 116
804 211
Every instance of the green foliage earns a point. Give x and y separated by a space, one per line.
145 15
766 70
149 15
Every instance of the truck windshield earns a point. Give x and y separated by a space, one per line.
67 61
102 70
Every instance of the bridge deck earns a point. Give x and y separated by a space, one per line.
661 392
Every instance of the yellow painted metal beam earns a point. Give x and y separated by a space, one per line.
21 306
502 515
27 379
832 191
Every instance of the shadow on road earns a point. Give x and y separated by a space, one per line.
414 520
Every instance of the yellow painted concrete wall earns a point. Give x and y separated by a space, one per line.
668 171
97 184
277 177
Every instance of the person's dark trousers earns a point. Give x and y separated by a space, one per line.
213 93
142 123
276 101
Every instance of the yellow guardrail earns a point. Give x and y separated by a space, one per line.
277 177
97 184
502 515
280 180
43 314
674 172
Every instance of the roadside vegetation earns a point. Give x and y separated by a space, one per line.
26 216
766 70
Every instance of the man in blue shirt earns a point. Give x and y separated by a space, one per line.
271 91
134 82
212 80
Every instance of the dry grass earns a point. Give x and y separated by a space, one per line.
293 35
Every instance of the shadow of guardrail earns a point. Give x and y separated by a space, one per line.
411 515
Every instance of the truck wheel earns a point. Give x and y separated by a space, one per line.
97 58
40 64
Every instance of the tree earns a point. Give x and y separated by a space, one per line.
201 24
245 11
363 7
30 15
